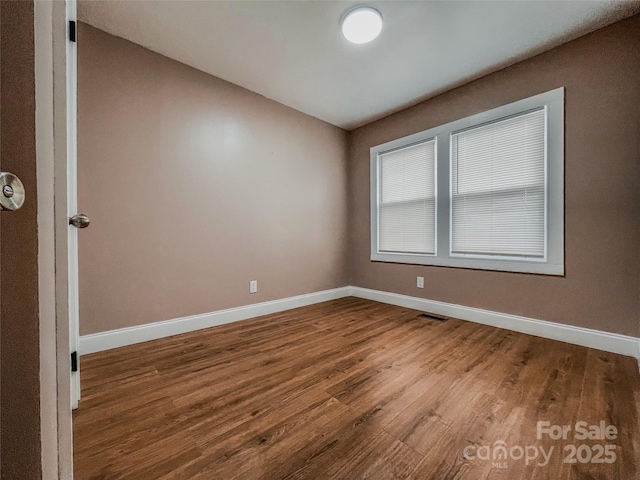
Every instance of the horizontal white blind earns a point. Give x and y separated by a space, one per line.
407 203
498 188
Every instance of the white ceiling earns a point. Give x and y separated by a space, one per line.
293 51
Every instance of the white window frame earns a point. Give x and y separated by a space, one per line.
553 262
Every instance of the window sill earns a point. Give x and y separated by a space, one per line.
533 267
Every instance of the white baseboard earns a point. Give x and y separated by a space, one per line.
609 342
98 342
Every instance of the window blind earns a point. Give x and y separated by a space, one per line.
498 187
407 203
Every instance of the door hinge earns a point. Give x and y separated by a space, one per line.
72 30
74 362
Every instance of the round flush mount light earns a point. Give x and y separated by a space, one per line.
362 24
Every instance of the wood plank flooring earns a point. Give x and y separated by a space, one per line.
352 389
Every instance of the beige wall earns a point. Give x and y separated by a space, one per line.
20 350
195 187
601 288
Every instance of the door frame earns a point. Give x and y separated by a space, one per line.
52 147
72 198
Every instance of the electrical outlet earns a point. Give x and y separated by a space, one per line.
420 282
253 286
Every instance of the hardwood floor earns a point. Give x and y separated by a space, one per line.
352 389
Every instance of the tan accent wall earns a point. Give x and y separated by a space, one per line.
601 288
20 374
195 187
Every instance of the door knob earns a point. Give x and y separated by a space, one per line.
11 192
80 221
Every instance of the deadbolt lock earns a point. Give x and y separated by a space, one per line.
12 196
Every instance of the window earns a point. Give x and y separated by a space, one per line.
408 199
497 182
483 192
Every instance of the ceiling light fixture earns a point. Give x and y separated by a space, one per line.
362 24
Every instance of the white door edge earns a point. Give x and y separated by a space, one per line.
72 201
